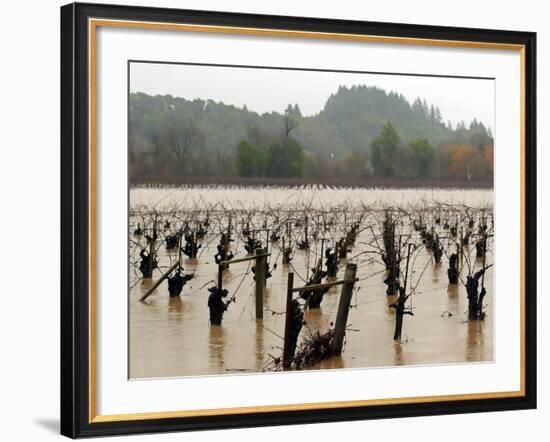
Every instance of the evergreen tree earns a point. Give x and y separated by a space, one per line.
383 151
423 154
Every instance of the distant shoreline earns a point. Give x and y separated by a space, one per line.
371 182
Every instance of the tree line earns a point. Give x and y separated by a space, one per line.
361 132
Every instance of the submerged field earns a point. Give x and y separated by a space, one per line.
172 336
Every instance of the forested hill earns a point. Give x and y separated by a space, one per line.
171 136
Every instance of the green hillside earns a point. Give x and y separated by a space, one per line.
171 136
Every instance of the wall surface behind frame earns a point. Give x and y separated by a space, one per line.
29 171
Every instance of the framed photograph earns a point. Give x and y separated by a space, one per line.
274 220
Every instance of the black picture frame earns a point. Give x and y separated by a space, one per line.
75 221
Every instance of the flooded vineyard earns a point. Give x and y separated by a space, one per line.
395 277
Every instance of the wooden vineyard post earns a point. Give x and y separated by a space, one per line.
195 245
180 251
151 256
407 268
228 238
220 276
461 248
306 232
260 282
288 231
343 308
259 276
343 248
287 357
162 278
285 258
484 239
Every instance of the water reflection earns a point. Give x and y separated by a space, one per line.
260 347
475 340
334 362
176 306
216 347
398 353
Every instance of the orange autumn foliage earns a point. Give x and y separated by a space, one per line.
489 157
467 161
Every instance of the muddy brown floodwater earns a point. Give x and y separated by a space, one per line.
173 337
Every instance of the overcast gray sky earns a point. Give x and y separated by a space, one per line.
266 90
